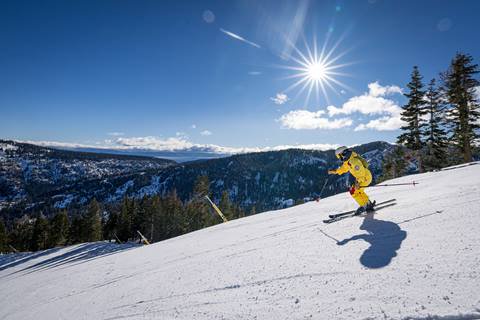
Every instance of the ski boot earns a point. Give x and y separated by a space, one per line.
370 207
359 211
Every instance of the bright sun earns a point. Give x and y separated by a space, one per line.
316 70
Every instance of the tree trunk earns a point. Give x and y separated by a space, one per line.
419 159
467 151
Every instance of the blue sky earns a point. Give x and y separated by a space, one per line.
183 75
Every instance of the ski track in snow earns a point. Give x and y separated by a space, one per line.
417 260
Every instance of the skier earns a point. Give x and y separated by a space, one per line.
358 167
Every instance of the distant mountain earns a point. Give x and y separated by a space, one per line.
33 177
187 155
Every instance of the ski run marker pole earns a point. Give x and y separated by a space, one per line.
143 238
217 209
393 184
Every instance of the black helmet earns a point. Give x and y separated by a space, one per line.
343 153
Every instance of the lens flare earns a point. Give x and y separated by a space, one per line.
316 71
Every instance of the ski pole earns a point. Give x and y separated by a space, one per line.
323 188
392 185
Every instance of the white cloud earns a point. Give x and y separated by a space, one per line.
373 102
477 92
154 143
181 134
280 98
116 134
304 119
194 126
236 36
377 90
176 144
382 124
206 133
254 73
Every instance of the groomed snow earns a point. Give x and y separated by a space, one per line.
419 259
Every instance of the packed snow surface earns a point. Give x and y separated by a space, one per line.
419 259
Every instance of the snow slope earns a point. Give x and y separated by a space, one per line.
419 259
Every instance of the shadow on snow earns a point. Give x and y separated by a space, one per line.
385 239
78 254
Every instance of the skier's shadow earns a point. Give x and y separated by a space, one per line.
384 237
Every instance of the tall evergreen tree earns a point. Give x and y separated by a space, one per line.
58 234
110 228
435 135
3 237
175 217
125 220
226 206
199 210
39 240
464 113
93 222
412 115
76 231
158 227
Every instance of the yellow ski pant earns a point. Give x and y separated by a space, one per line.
359 194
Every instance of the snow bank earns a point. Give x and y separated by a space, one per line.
419 259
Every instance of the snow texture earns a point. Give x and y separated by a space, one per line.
419 259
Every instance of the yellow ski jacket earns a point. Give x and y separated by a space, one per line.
356 167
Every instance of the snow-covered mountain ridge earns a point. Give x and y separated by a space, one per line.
39 179
419 259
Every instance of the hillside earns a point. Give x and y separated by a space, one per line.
45 179
419 259
33 176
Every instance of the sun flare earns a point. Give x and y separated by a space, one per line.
316 71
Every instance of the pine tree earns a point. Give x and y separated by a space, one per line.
226 206
177 219
155 210
20 237
199 210
464 113
412 115
3 237
125 220
58 229
111 226
435 135
39 240
138 216
76 231
93 222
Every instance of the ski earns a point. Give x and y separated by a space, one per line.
353 211
331 220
